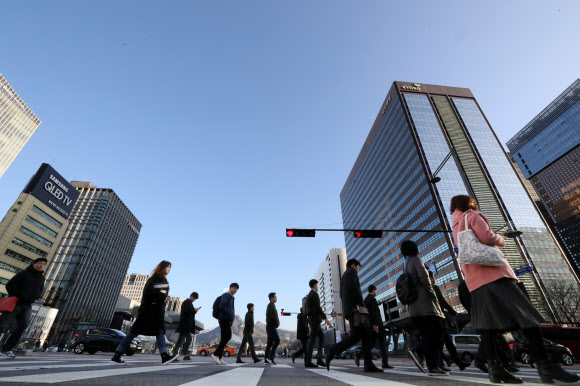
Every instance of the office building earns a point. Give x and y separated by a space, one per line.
428 144
41 320
35 224
17 124
328 276
134 285
85 278
174 304
547 151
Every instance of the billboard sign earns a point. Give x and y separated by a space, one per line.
53 190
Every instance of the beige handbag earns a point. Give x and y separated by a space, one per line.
473 251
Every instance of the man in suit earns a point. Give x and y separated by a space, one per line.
186 325
352 299
315 317
248 335
378 333
301 334
272 323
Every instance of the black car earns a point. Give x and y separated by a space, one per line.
101 339
556 351
348 354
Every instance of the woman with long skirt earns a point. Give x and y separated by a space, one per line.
151 317
498 305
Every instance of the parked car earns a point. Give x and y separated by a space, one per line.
349 354
556 351
101 339
466 345
229 350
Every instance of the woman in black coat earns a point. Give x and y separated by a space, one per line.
151 316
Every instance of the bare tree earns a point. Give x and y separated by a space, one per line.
566 299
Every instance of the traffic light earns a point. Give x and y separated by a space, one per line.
285 313
300 232
367 234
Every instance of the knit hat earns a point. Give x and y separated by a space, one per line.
39 260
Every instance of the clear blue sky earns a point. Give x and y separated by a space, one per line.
221 123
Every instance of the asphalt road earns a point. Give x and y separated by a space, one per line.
143 369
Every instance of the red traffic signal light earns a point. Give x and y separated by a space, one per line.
368 234
285 313
300 232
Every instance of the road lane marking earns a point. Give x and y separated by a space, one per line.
53 366
241 376
355 379
484 378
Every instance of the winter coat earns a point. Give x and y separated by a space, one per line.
187 317
426 302
26 285
302 327
374 312
478 275
316 313
350 292
151 316
227 308
249 323
272 316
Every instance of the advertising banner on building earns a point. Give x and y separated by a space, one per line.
53 190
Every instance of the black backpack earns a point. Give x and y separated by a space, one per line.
216 308
306 308
406 289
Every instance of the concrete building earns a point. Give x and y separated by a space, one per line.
17 124
174 304
42 318
422 132
328 276
88 271
35 224
547 151
133 286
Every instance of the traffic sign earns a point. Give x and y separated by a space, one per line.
523 270
333 314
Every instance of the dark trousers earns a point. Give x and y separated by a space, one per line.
356 334
380 337
21 315
273 341
183 337
302 350
315 333
431 343
226 335
249 339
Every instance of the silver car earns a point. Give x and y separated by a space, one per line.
467 346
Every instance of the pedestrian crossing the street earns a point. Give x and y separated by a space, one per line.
200 372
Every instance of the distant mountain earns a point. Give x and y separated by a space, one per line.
260 336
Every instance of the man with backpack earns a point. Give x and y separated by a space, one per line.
223 310
301 334
352 300
272 323
315 316
248 335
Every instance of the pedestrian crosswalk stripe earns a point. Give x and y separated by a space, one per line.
81 375
242 376
53 366
355 379
280 367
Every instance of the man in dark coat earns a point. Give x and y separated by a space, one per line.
27 286
248 336
315 317
226 319
272 323
378 333
352 299
186 325
301 334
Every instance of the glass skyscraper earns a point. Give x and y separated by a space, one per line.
87 273
547 151
424 129
17 124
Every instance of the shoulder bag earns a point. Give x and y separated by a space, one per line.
361 318
473 251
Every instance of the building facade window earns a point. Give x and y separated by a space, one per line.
9 268
40 226
18 256
36 237
45 216
31 248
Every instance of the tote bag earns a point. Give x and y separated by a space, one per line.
473 251
7 304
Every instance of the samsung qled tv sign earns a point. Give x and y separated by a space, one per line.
53 190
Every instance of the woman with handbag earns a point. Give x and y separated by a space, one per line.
425 312
498 305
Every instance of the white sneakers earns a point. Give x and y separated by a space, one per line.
7 355
215 359
223 362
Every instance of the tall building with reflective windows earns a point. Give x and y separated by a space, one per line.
17 124
547 151
426 131
85 278
328 275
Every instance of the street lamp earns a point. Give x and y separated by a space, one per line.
436 179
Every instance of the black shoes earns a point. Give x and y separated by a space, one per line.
549 371
372 369
272 361
167 359
445 369
240 361
387 366
415 357
293 358
320 363
310 365
117 360
186 358
356 358
329 357
498 374
481 365
256 360
437 372
463 365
